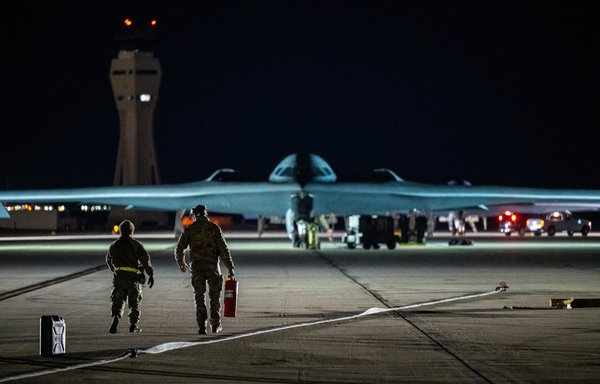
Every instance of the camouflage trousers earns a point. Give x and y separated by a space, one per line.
215 285
126 290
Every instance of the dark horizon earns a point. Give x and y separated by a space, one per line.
501 93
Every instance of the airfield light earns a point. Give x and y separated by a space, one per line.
153 22
500 217
513 217
128 22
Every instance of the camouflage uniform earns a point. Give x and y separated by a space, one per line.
207 245
122 258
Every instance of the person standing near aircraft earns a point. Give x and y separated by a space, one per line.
207 246
260 223
123 257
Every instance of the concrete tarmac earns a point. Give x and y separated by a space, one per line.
504 337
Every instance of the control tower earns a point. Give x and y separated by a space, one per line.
135 77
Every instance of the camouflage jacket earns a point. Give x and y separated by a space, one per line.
126 253
207 244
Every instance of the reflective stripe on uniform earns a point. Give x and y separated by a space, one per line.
128 269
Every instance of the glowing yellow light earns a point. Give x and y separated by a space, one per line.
153 23
128 22
115 229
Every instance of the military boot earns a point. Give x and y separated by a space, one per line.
134 328
202 328
216 328
113 325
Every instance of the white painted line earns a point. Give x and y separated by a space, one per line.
161 348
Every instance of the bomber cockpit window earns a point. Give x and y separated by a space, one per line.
287 171
321 171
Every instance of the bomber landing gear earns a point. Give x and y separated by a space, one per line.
306 235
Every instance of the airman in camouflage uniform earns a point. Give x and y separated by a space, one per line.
123 258
207 245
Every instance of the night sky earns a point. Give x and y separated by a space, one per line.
494 92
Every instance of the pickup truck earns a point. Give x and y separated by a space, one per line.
565 221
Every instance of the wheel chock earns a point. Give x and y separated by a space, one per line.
561 303
574 303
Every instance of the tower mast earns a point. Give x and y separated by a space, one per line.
135 76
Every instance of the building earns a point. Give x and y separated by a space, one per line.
135 76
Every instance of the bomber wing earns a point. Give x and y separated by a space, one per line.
248 198
310 180
397 197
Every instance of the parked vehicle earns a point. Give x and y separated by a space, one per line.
565 221
370 231
510 222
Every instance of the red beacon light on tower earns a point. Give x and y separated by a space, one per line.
129 23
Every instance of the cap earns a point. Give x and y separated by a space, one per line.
126 227
199 210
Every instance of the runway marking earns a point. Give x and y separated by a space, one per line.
122 356
502 286
47 283
165 347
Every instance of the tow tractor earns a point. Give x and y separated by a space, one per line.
510 222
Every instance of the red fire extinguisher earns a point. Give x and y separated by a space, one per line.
230 297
